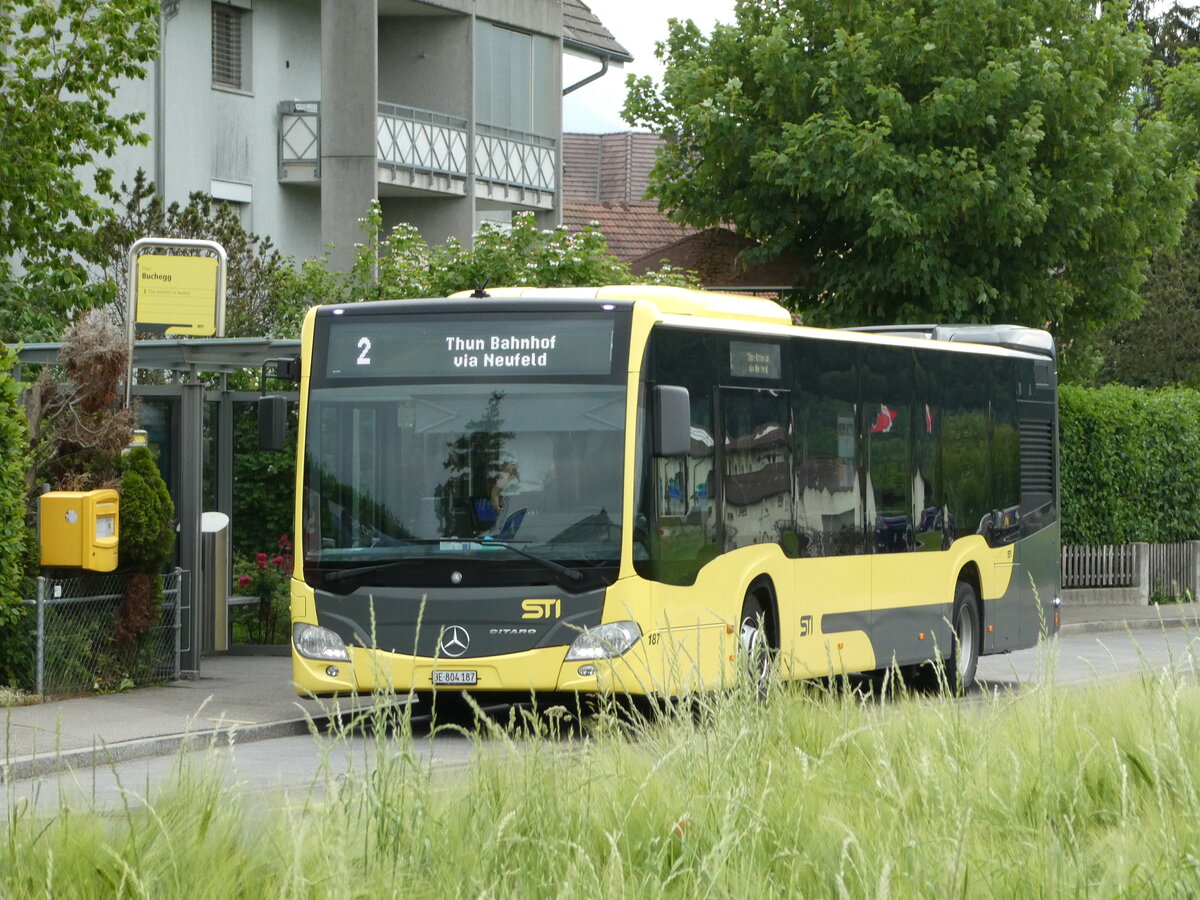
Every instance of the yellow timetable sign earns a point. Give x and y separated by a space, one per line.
177 294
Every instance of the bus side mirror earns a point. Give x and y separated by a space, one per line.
672 421
272 423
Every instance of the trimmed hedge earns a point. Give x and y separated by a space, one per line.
1130 464
14 534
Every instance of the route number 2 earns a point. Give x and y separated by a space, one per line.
364 346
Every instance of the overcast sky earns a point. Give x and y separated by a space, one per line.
637 25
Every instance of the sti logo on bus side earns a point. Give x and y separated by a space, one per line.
541 609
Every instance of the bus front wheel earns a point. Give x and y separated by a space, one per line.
964 644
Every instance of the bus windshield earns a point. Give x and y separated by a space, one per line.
414 472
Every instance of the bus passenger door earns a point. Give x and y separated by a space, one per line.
826 621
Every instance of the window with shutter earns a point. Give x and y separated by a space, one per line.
228 46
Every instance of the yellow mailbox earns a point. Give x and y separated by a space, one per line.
79 528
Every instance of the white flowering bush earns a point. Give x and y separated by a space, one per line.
400 264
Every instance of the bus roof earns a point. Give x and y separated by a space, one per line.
673 301
1010 337
677 301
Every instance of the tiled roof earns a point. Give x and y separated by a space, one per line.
604 181
714 255
608 166
583 30
632 228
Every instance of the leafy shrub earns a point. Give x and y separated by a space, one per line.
264 502
399 263
1130 464
147 537
268 578
14 533
145 544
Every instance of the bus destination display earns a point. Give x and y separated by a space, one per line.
459 346
754 360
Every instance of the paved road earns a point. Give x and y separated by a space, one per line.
290 770
1082 658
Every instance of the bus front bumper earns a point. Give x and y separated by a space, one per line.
703 660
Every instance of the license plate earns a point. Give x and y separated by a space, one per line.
456 677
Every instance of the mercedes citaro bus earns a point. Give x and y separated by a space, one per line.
654 490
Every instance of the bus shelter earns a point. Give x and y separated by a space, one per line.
189 419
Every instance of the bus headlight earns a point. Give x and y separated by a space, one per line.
318 643
605 641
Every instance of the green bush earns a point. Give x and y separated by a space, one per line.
264 502
14 534
268 578
1130 464
147 538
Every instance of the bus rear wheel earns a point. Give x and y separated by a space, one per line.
757 656
964 644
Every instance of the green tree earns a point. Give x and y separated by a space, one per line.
1162 346
955 160
62 62
1173 31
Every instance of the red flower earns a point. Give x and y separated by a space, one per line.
285 542
243 581
260 560
279 562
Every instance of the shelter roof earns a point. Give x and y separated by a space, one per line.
215 355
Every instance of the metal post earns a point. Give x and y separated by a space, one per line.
225 450
1191 575
41 635
187 510
178 600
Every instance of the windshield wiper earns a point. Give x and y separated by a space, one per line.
573 574
339 574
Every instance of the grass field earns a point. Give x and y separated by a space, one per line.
818 792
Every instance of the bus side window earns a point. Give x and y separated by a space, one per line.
887 423
827 454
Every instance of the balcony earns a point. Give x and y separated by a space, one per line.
423 153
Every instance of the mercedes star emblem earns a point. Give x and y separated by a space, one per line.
455 641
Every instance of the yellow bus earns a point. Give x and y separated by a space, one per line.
654 490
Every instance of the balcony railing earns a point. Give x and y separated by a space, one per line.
514 158
428 151
420 140
299 140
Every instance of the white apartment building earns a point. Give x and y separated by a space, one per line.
300 112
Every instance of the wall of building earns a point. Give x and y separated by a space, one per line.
437 218
209 134
425 62
224 141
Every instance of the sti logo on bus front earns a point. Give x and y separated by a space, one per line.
541 609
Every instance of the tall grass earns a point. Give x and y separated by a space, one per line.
817 792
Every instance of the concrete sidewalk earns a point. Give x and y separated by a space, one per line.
252 698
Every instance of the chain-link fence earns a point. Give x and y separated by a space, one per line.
77 642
